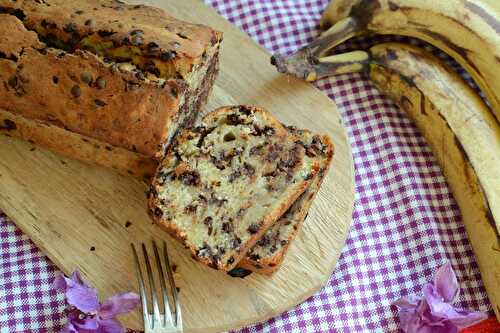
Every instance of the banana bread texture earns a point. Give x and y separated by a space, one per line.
223 184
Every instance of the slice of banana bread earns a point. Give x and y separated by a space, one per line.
268 253
224 183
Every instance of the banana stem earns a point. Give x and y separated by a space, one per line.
302 63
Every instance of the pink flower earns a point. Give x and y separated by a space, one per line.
434 313
87 314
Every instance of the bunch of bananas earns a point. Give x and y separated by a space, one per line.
462 131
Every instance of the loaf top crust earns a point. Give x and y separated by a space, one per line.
223 184
116 30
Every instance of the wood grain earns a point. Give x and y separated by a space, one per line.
67 207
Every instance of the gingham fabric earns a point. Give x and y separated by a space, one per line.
405 222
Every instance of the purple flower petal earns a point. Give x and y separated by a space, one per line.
446 284
79 294
118 304
466 318
69 328
110 326
60 283
408 302
83 298
460 318
77 278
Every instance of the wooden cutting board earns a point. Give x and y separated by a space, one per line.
85 216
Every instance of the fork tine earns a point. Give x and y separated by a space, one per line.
178 316
142 290
156 309
166 303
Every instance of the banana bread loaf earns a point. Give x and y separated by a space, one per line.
126 77
268 253
223 184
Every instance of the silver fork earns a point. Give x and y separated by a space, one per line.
167 321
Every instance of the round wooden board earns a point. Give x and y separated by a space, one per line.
67 207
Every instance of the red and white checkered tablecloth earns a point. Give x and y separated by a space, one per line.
405 222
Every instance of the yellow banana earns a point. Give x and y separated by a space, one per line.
462 133
468 30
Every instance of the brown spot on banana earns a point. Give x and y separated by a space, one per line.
363 11
422 105
393 6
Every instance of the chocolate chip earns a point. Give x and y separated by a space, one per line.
92 248
230 260
76 91
204 251
234 119
55 79
234 175
235 243
269 130
174 91
241 212
254 257
70 27
255 150
182 36
79 12
218 163
151 67
227 227
273 249
9 125
100 103
12 81
264 241
152 46
100 82
248 169
190 209
158 212
128 224
208 222
229 137
86 77
239 272
168 55
253 228
105 33
61 54
190 178
217 201
245 110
